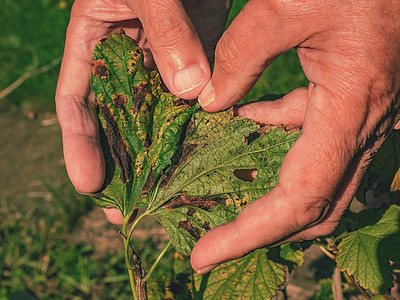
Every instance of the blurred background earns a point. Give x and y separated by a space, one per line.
54 243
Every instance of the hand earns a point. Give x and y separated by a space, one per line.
350 52
165 32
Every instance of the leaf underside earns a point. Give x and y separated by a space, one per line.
383 174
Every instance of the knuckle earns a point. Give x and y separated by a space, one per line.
169 30
310 213
228 55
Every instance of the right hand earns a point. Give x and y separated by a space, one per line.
169 38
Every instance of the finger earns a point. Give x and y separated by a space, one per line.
114 216
175 46
308 179
259 34
288 110
77 114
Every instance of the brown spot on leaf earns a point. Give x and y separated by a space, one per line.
99 69
118 148
103 40
190 211
202 203
148 184
206 226
187 225
97 195
179 102
120 100
139 94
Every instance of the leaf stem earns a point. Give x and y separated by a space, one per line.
138 219
350 279
157 261
327 252
133 285
127 260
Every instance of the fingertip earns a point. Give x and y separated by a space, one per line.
84 163
207 96
113 215
217 246
206 269
209 101
189 82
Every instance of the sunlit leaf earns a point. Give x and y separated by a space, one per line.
366 252
254 276
214 180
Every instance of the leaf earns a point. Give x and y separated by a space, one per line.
237 145
186 224
142 124
366 252
207 188
251 277
383 175
292 252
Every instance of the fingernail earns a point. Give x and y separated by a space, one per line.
207 269
83 194
207 96
188 79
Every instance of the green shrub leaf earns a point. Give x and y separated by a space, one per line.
212 182
366 252
254 276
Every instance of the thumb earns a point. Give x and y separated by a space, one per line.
175 45
261 32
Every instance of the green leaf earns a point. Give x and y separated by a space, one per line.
292 252
142 124
383 175
211 185
235 146
186 224
251 277
366 253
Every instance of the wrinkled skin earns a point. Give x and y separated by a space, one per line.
349 51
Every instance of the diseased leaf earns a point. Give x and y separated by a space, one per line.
366 252
383 174
212 184
185 224
193 170
142 124
254 276
234 146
